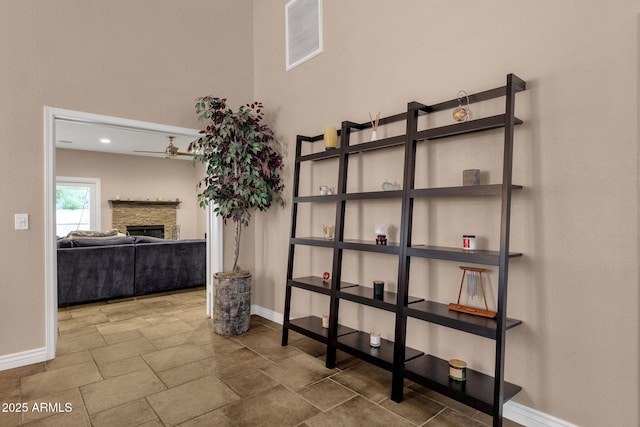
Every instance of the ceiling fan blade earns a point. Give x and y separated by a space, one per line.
170 152
143 151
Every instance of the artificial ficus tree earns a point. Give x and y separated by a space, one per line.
243 162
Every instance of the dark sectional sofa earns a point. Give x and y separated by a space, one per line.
101 269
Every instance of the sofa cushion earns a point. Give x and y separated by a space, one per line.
103 242
64 243
170 265
148 239
95 273
92 234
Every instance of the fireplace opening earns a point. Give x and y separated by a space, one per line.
146 230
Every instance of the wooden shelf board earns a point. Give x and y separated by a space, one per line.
317 199
370 246
311 326
457 254
461 191
440 314
471 126
364 295
476 391
375 145
312 241
357 344
393 194
321 155
315 284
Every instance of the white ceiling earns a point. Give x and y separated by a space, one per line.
83 135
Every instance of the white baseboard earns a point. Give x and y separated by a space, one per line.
530 417
267 314
514 411
23 358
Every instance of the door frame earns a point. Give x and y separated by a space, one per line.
51 114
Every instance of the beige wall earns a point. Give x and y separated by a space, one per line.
576 288
147 177
145 60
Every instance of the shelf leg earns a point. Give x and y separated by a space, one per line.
285 321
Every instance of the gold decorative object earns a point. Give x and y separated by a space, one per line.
461 113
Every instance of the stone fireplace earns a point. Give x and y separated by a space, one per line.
146 230
145 216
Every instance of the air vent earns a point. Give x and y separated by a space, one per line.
303 20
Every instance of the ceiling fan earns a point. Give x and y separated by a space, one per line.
169 152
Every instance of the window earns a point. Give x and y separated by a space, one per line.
77 204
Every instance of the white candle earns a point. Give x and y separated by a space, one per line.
325 321
374 339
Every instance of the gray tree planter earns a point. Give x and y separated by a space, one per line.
231 303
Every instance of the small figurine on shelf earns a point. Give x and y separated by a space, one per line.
325 276
390 186
327 231
381 234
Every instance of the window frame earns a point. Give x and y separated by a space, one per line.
93 184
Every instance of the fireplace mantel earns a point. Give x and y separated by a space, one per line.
145 203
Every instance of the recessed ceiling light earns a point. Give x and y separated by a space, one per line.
105 141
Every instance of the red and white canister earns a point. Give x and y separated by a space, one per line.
469 242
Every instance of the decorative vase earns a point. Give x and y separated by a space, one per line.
231 304
330 138
374 135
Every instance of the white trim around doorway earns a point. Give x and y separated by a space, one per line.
214 228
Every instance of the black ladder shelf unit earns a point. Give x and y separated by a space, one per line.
483 392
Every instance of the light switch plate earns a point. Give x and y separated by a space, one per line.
22 221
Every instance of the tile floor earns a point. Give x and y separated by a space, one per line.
156 362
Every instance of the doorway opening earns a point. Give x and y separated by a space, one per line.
53 118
